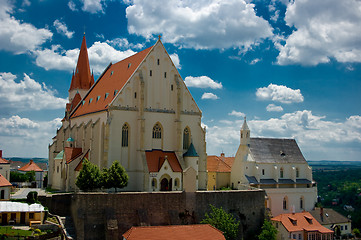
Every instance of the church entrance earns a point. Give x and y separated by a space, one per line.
166 185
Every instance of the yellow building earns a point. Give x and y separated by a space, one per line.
219 171
21 213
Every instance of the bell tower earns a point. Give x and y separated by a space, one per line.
245 133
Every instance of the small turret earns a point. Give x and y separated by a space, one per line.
245 133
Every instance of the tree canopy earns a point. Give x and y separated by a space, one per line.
89 176
223 221
268 231
114 177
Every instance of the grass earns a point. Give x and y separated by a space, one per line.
15 232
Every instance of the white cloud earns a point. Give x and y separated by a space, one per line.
23 137
100 55
72 6
237 114
62 28
26 95
314 134
16 36
93 6
123 43
209 96
254 61
202 82
273 108
199 24
26 3
325 30
175 60
279 93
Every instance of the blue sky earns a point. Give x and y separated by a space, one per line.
292 67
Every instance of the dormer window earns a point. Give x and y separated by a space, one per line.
115 92
129 64
90 100
106 95
111 73
82 102
309 219
98 97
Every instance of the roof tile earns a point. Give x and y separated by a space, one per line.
31 166
156 158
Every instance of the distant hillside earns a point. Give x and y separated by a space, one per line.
26 160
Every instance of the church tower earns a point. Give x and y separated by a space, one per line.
245 133
82 79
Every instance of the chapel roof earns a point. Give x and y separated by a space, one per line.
71 153
219 163
156 158
31 166
82 78
175 232
191 152
109 84
295 222
275 150
4 182
328 216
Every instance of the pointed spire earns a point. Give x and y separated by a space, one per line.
245 133
82 78
245 126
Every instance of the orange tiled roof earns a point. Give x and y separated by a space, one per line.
175 232
156 158
109 84
4 182
71 153
80 164
31 166
219 164
4 161
74 103
301 222
82 78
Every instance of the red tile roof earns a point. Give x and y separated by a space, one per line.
82 78
4 182
80 164
109 84
301 221
74 103
156 158
174 232
31 166
72 153
3 160
219 164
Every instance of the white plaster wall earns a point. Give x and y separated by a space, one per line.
5 170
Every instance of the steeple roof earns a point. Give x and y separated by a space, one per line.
245 126
82 77
191 151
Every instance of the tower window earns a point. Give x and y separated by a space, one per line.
165 74
150 73
285 207
158 61
262 171
281 173
297 172
157 131
125 136
171 87
186 138
135 94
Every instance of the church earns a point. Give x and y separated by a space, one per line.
139 112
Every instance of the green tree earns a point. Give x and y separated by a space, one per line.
269 232
223 221
114 177
30 176
32 197
17 177
89 176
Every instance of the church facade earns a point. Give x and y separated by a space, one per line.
139 112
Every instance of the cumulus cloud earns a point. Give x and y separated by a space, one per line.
274 108
237 114
72 6
199 24
325 30
313 133
279 93
202 82
209 96
93 6
17 36
100 55
175 60
62 28
31 136
26 95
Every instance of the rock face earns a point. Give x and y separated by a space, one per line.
102 215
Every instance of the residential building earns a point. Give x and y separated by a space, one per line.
219 171
32 166
175 232
300 226
331 219
278 167
21 213
140 113
4 166
5 188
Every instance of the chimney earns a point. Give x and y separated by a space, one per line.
222 156
321 213
1 153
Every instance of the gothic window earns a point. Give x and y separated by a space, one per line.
297 173
285 203
157 131
125 135
281 173
186 138
171 87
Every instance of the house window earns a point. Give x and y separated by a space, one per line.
150 73
31 215
345 227
294 236
341 228
285 204
157 131
125 136
186 138
2 194
281 173
176 182
297 173
299 236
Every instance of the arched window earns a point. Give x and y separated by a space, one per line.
297 173
285 203
302 203
125 136
186 138
157 131
281 173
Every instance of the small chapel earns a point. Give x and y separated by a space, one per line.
139 112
